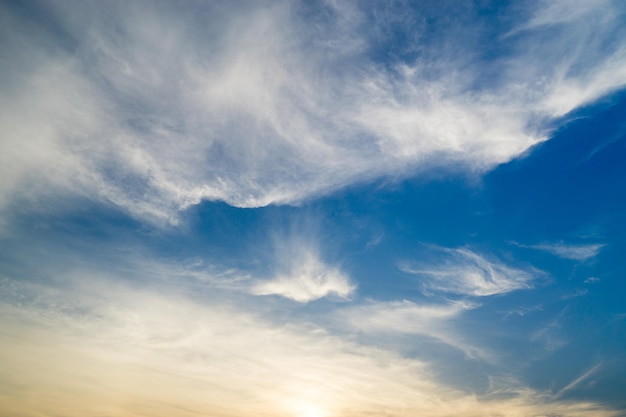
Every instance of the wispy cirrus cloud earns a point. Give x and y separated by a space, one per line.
464 272
302 275
266 103
569 251
435 321
404 316
578 381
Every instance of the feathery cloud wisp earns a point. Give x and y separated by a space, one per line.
259 104
303 276
435 321
574 252
464 272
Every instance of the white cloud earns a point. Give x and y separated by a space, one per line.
155 107
464 272
561 12
578 381
574 252
302 276
404 317
594 64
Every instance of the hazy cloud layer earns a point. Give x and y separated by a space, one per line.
101 346
154 108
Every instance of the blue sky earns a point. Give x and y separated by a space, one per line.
312 209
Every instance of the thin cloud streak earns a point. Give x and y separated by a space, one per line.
258 105
576 382
464 272
436 321
574 252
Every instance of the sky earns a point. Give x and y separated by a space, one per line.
312 208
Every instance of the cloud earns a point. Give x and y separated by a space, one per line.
302 276
550 335
586 30
436 321
522 311
464 272
403 316
576 382
103 346
578 292
113 349
554 13
574 252
155 108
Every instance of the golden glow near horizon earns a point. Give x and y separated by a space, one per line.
309 410
100 350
